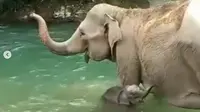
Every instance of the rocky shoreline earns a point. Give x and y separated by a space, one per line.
68 10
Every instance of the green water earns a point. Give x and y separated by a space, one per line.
35 80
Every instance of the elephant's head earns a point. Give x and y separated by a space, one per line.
96 35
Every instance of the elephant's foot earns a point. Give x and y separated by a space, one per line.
189 101
130 95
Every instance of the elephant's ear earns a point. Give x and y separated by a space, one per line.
113 31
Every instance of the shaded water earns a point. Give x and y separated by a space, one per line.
35 80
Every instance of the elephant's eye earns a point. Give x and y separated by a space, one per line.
106 28
82 33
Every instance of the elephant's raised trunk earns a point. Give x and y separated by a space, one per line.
72 46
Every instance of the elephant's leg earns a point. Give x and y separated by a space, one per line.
190 101
128 62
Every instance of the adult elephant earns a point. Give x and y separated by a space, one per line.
156 46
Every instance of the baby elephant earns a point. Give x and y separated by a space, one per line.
130 95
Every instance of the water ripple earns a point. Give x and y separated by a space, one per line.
3 46
55 76
100 77
1 30
57 65
38 87
79 69
59 102
37 70
14 77
82 78
1 26
35 104
93 85
13 106
69 57
40 98
17 48
46 75
17 42
80 102
12 33
63 85
11 79
27 111
80 62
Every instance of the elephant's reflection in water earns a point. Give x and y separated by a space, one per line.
118 99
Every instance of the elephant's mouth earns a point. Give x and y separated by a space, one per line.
86 57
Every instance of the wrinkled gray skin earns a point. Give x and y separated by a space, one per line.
145 50
123 96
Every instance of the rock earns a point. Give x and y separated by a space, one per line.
70 10
129 3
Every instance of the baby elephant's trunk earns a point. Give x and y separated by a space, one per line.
147 92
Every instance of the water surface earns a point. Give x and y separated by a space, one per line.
35 80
